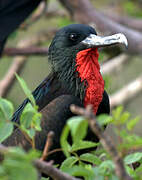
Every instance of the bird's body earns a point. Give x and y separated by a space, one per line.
74 72
74 79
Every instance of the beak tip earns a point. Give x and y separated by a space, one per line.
124 40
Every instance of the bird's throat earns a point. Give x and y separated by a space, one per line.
89 71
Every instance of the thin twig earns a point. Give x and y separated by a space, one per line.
105 140
9 78
54 151
26 51
48 145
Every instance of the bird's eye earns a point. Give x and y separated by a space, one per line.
73 36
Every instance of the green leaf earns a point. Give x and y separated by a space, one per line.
106 167
98 176
37 121
18 165
31 132
117 112
16 152
131 158
30 117
68 163
130 141
17 169
113 177
104 119
88 157
6 130
131 124
43 178
63 141
124 117
6 109
26 116
26 90
33 154
129 170
83 145
88 174
138 170
78 126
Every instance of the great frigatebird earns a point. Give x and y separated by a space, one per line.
75 78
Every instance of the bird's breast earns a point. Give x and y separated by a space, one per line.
88 69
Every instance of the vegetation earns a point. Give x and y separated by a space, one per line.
97 164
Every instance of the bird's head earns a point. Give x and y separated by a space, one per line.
74 38
74 57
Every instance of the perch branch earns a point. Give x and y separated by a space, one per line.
51 171
105 140
8 80
131 22
27 51
113 64
126 93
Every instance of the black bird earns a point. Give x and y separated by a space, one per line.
75 79
12 14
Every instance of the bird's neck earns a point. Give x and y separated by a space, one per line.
88 70
79 74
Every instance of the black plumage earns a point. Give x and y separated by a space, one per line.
12 14
59 90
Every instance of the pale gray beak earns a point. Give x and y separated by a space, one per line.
97 41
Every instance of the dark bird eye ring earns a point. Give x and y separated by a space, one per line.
73 37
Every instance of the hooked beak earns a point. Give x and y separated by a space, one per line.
97 41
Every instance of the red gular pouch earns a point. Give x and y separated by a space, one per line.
88 69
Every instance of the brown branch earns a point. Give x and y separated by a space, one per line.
131 22
126 93
55 12
105 140
46 168
8 80
54 151
48 145
114 64
83 11
27 51
51 171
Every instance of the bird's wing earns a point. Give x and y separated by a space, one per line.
54 117
39 94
